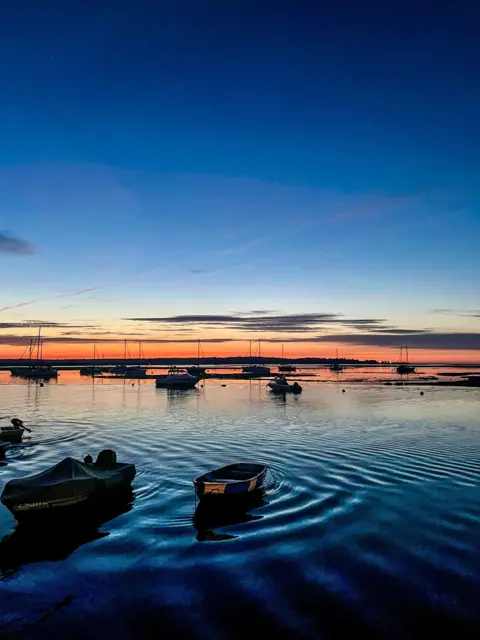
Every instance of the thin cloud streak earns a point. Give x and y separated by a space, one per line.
20 304
15 340
79 292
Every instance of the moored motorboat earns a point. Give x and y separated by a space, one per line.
68 486
14 433
256 370
199 372
232 481
176 379
40 372
91 371
336 367
281 385
287 368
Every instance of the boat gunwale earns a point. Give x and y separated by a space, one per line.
198 479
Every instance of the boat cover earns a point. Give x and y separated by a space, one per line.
67 479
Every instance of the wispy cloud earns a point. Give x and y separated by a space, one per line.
16 340
78 292
462 313
29 324
20 304
266 321
10 244
427 340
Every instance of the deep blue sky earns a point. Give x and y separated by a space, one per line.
313 155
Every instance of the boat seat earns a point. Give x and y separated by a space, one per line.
232 476
106 458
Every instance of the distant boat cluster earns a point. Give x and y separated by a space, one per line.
176 378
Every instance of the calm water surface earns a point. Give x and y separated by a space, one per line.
372 525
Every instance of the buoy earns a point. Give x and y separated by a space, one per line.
343 390
421 393
133 384
224 385
41 384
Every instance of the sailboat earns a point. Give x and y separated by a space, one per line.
36 368
335 366
92 370
286 367
256 369
197 370
130 371
404 367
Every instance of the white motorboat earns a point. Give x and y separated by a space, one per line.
176 379
281 385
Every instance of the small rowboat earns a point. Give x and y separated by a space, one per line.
14 433
234 480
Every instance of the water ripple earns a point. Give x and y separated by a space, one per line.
370 516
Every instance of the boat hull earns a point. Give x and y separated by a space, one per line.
69 488
284 388
256 371
79 508
166 384
403 368
8 434
218 489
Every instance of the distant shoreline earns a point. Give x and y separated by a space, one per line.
225 362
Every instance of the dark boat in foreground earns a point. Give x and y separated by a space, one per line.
67 487
13 433
235 480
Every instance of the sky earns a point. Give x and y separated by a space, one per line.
304 173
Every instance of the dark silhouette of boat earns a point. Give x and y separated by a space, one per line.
28 544
68 487
405 367
281 385
14 433
336 366
208 518
36 368
232 481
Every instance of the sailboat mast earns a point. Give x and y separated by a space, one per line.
198 352
39 342
406 353
125 349
282 350
250 348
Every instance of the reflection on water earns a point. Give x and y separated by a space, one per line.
210 515
29 543
373 522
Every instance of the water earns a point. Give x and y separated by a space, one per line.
371 527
